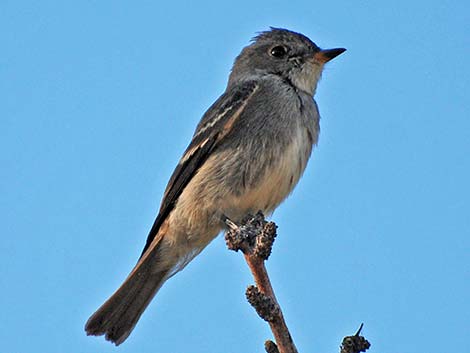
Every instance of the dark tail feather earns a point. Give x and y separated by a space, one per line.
117 317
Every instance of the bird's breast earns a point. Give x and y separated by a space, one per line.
277 178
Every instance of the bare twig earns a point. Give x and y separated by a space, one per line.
355 344
255 237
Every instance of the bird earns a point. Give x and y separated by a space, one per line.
247 153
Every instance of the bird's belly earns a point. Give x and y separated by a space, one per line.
277 180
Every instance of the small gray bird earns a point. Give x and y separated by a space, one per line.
247 154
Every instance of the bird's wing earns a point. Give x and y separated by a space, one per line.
216 123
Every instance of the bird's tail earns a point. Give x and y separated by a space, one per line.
117 317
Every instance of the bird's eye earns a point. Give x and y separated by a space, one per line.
278 51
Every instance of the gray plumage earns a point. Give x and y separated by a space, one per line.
247 154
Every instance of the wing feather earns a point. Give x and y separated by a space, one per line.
216 123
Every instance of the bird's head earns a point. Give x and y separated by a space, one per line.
290 55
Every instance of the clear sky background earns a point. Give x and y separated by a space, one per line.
100 98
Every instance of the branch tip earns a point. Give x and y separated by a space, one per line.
264 305
355 344
270 347
265 240
359 330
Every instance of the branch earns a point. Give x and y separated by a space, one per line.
255 237
355 344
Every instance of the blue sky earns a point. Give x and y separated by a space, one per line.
98 102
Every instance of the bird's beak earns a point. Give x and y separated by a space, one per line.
326 55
